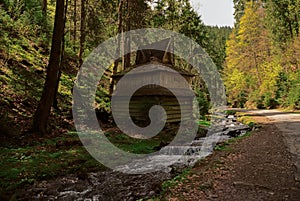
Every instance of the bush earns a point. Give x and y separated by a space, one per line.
293 98
230 112
269 101
203 102
240 100
260 104
282 84
266 101
288 89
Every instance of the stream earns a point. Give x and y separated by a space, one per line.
115 185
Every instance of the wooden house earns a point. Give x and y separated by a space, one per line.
158 66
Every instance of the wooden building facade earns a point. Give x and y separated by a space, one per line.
157 68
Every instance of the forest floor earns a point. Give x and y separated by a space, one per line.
258 167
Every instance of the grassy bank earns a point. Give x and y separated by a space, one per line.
52 157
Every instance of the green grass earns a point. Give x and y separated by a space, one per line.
248 120
24 165
58 156
204 123
133 145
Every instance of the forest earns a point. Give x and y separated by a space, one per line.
261 69
27 28
43 44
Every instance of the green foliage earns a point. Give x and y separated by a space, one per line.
269 101
282 85
230 112
59 156
101 23
283 20
293 95
261 55
27 14
133 145
248 120
234 78
203 102
252 124
241 99
216 48
287 93
25 33
239 7
25 165
204 123
102 99
178 15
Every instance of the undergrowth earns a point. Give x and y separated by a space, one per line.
58 156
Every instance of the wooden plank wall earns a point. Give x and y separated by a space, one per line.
139 107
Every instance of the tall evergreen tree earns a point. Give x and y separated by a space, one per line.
42 113
283 18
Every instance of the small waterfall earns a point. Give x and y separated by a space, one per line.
180 150
186 155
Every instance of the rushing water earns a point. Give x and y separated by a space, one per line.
186 155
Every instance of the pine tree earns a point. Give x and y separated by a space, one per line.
42 113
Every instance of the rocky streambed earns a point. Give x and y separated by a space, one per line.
115 185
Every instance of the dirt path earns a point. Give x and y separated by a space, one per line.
259 167
289 125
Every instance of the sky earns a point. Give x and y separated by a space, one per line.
215 12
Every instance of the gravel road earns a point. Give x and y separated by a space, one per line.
289 125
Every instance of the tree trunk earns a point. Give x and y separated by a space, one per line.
44 7
75 26
120 29
42 112
82 31
55 102
257 68
127 36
